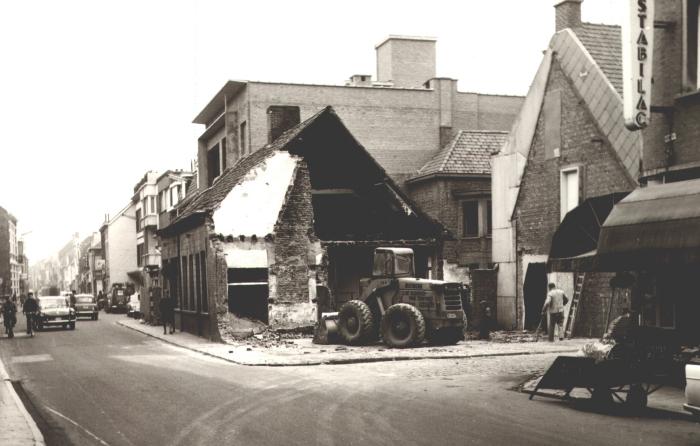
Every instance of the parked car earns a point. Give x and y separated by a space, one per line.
55 310
692 388
133 307
85 306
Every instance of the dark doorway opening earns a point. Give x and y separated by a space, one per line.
248 293
534 292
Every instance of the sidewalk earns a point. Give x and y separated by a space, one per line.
18 427
299 352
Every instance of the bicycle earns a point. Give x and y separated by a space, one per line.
30 323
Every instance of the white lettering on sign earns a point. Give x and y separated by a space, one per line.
637 52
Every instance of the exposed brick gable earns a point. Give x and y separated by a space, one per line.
599 95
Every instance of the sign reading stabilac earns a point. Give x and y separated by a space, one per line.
637 52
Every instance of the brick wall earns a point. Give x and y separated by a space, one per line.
595 304
668 84
400 127
538 205
292 246
441 199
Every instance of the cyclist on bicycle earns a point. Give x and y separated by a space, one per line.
29 309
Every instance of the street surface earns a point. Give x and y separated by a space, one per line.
105 384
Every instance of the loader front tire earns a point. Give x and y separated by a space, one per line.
355 322
403 326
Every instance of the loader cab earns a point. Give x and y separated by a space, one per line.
393 262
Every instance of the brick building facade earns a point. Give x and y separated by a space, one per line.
652 233
454 187
286 219
568 144
10 268
402 118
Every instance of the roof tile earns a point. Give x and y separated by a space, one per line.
469 153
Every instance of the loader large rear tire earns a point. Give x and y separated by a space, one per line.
403 326
355 322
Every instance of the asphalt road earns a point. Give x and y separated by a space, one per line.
105 384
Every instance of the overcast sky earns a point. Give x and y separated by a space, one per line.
94 93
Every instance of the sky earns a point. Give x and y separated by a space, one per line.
95 93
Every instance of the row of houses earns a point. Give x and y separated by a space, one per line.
295 185
13 262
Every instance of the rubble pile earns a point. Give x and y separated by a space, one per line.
505 336
237 330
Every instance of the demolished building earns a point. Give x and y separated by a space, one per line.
300 215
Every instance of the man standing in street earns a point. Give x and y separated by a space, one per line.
166 314
554 305
29 308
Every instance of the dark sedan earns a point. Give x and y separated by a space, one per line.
85 306
55 310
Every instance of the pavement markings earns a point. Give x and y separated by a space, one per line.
31 358
95 437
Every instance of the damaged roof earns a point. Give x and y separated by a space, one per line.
208 201
468 153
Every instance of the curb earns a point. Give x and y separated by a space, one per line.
37 436
350 360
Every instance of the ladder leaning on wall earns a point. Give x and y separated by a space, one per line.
573 308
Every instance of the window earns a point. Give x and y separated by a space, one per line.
691 43
139 254
470 219
476 218
383 264
183 283
204 295
151 204
198 275
138 220
242 138
281 118
569 190
191 284
488 217
223 154
213 164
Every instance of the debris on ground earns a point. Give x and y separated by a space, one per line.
255 333
505 336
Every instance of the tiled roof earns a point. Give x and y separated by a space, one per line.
210 198
468 153
598 91
604 43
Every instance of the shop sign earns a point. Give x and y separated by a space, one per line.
637 52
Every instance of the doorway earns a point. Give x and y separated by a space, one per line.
534 292
248 293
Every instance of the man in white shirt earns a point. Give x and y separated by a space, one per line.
554 305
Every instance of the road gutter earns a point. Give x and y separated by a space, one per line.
347 360
37 437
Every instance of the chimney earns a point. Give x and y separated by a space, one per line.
359 80
406 61
568 14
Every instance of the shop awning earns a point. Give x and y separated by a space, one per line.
654 225
575 242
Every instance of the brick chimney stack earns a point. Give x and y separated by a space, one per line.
568 14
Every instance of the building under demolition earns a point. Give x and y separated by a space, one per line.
301 214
